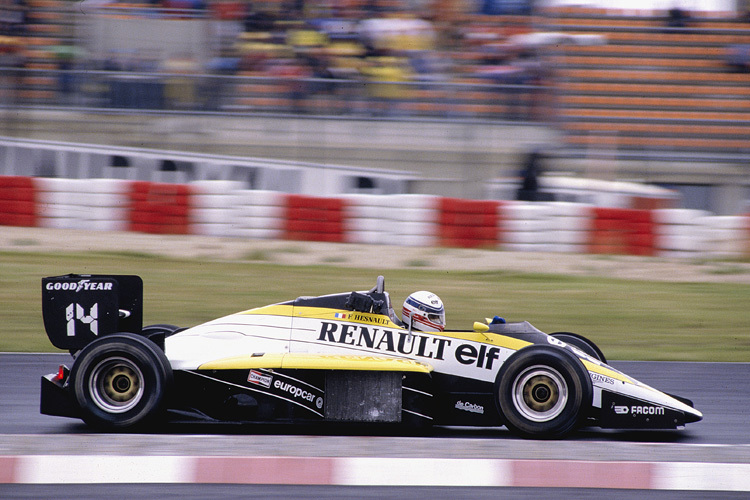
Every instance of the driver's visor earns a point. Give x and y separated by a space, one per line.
436 318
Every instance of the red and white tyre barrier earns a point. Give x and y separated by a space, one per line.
401 219
224 209
525 226
88 204
368 219
570 227
160 208
414 219
680 232
313 218
213 206
18 201
469 223
257 214
622 231
725 235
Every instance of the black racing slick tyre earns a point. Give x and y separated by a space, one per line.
543 392
158 333
581 343
120 381
164 328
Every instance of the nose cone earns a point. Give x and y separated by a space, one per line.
688 409
693 416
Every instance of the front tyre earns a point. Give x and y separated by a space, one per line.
543 392
582 343
120 381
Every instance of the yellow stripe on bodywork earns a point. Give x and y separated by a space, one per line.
302 361
272 310
325 313
495 339
245 361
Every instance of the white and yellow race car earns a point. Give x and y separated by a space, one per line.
343 357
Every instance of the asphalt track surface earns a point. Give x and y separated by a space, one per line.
719 390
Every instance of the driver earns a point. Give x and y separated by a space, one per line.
424 311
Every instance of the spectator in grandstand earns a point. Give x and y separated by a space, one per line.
66 76
677 18
180 87
293 9
258 21
529 90
185 5
215 87
323 80
291 76
387 90
309 46
12 28
12 17
737 58
504 76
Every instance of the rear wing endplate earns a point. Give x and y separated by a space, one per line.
78 308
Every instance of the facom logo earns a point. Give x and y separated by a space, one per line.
639 410
647 410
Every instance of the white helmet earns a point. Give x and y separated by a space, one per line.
424 311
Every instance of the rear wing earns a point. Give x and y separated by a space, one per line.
78 308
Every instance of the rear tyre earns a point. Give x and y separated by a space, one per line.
543 392
158 333
120 381
581 343
164 328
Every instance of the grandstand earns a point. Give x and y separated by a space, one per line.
35 43
652 86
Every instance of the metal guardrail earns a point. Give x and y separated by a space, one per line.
144 11
41 158
119 90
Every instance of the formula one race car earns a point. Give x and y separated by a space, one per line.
343 357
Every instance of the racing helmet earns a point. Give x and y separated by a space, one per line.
424 311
